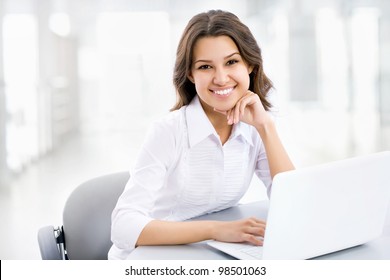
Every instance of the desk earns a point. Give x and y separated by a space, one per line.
374 250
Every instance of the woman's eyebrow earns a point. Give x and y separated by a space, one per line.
208 61
226 57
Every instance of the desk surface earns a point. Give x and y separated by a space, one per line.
373 250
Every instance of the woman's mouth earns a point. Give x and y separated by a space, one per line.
223 92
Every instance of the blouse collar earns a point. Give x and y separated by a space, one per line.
200 127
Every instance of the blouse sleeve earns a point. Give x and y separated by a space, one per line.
134 206
262 170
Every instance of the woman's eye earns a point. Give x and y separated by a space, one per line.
204 67
232 61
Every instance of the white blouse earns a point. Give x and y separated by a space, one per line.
184 171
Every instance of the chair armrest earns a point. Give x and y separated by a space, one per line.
48 244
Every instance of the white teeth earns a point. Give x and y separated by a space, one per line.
223 92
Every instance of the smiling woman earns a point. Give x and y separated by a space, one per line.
221 79
220 75
201 157
215 24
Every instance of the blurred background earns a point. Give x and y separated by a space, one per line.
81 80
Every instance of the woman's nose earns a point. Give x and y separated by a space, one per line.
221 76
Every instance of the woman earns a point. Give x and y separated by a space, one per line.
201 157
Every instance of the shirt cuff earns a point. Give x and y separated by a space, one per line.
126 230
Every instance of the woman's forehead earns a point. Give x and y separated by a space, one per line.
207 48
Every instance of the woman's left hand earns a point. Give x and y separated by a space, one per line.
248 109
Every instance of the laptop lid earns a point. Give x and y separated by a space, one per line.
329 207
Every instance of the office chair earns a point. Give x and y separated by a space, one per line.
86 230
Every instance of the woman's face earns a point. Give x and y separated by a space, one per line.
220 74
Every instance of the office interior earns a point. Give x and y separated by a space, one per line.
82 80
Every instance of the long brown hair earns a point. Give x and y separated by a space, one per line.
218 23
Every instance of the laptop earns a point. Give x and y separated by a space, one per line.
322 209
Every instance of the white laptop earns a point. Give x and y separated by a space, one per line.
322 209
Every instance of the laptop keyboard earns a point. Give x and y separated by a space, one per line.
254 251
244 251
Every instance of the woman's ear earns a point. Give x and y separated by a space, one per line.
250 69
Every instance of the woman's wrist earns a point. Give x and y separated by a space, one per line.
213 229
266 129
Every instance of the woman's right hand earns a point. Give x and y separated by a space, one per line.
158 232
246 230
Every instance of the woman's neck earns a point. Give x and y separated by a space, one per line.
219 123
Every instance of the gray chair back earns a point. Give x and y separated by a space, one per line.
87 216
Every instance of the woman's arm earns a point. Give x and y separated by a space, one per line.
278 159
159 232
250 110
